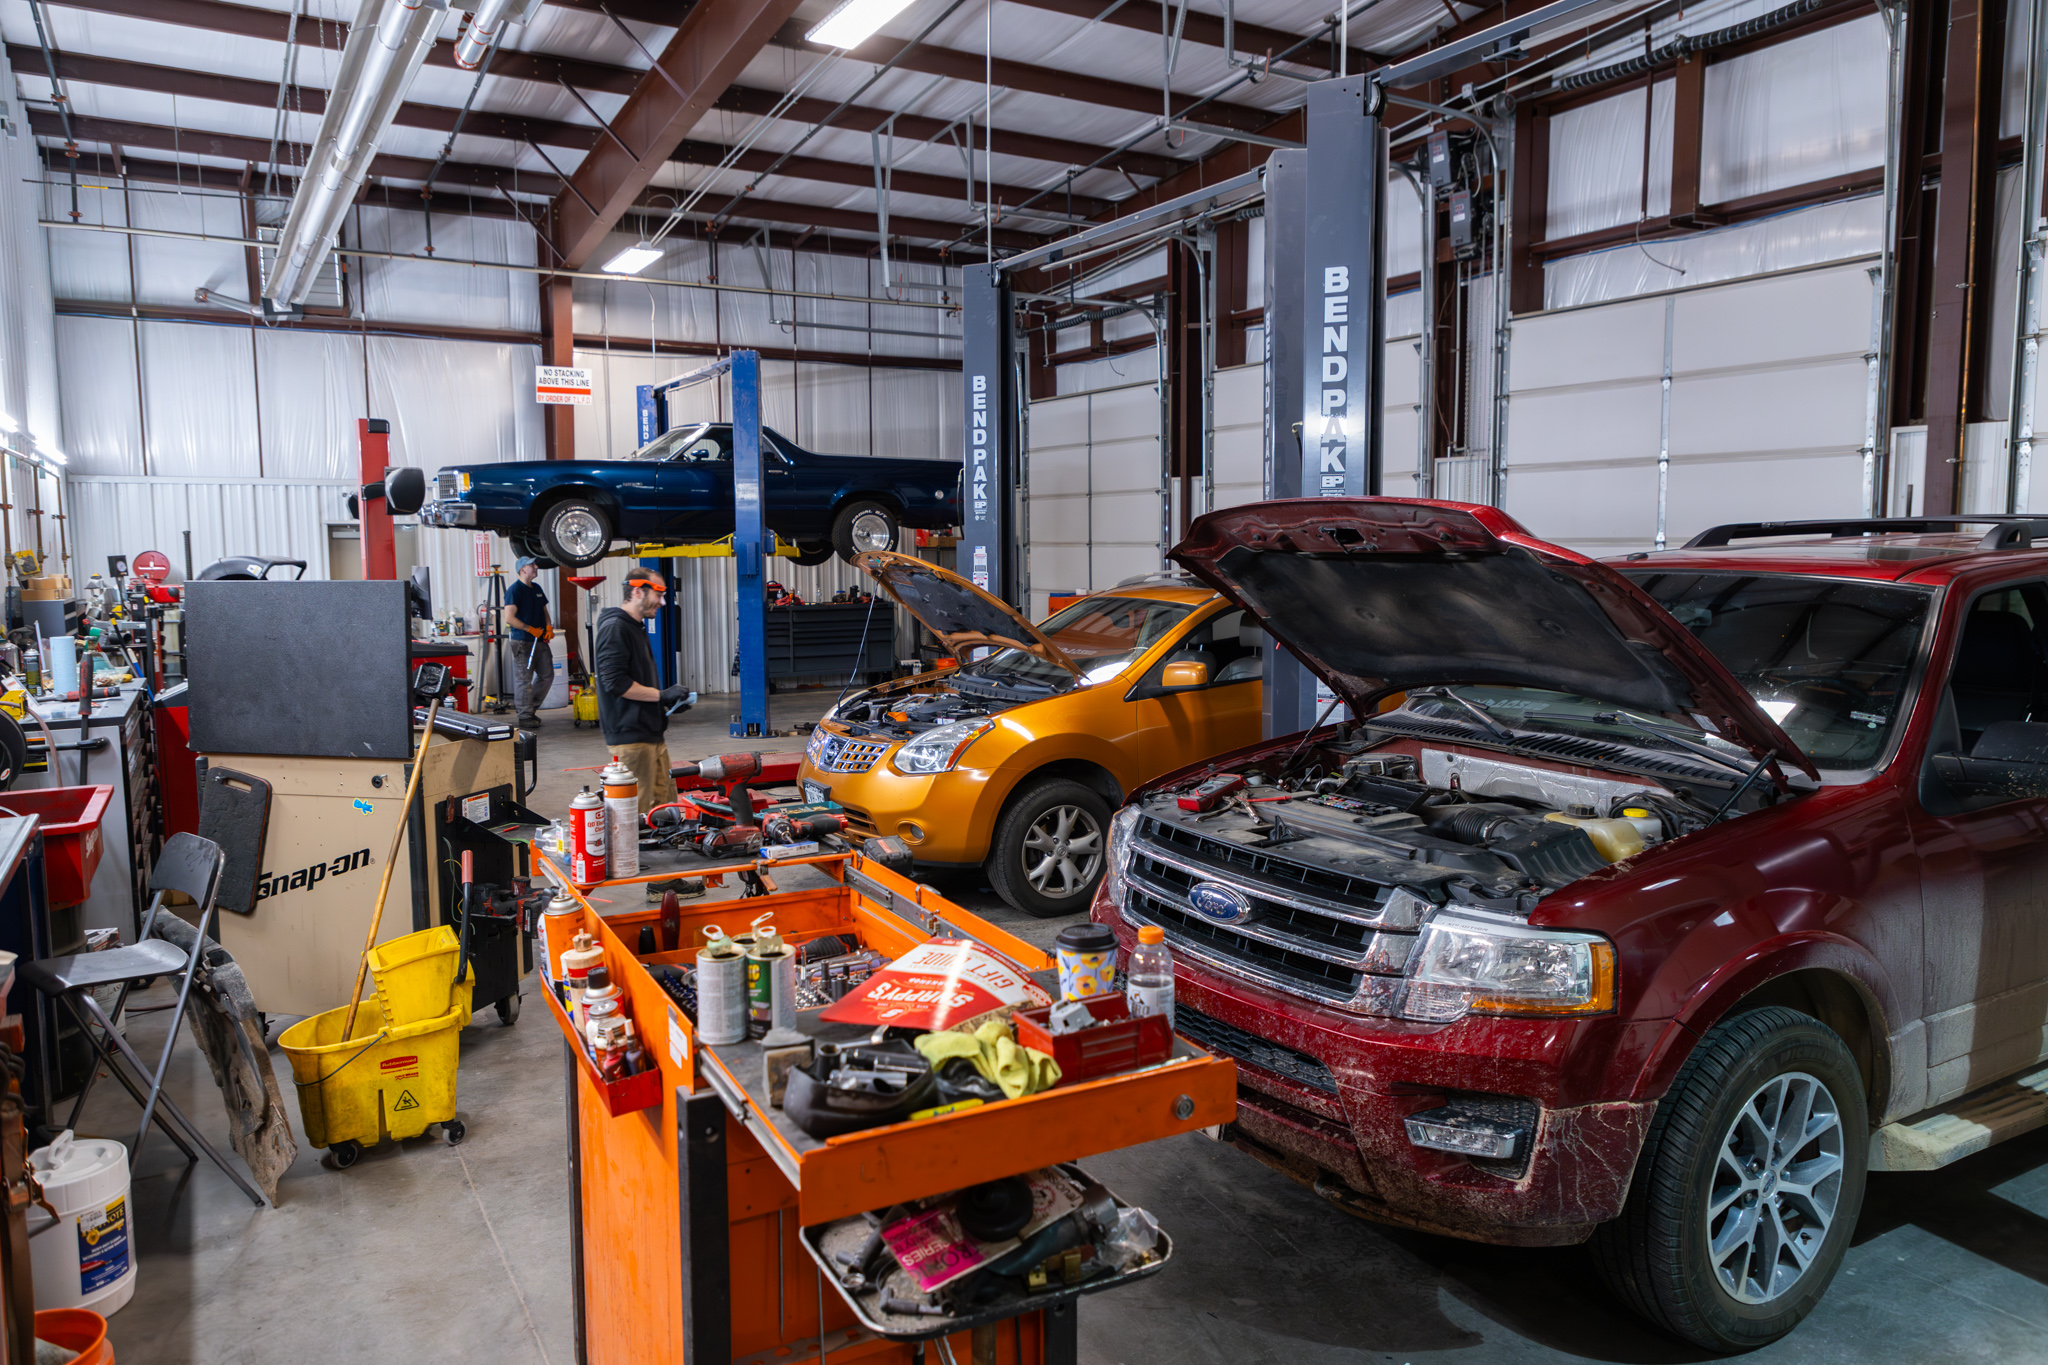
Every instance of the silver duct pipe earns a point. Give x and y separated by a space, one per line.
486 21
389 41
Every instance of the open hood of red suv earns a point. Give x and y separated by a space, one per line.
1380 595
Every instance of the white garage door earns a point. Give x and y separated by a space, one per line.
1768 398
1094 490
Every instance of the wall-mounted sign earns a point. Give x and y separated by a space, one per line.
561 384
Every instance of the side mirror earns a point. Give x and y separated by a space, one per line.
1185 673
2009 762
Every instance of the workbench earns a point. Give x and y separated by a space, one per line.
696 1208
114 746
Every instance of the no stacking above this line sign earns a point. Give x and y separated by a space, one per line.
561 384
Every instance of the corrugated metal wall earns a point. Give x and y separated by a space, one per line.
245 436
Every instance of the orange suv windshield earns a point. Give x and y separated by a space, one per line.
1100 634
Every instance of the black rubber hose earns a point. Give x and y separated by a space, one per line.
1696 42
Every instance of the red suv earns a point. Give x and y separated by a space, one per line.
1650 901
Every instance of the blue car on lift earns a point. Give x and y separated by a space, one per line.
678 489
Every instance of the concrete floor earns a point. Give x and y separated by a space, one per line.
427 1252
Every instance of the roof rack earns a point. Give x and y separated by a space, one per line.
2006 533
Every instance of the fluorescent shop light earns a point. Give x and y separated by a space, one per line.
633 259
855 21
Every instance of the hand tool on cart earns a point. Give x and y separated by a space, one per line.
434 682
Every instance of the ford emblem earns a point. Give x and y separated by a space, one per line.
1223 904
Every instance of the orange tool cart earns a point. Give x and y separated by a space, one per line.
705 1221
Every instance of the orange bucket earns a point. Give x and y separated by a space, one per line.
76 1329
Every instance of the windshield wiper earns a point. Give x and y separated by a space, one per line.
1692 747
1476 711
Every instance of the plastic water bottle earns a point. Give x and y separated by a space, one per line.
1149 980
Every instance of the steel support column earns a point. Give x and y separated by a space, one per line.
1181 374
1964 215
992 458
380 555
751 545
1288 701
1341 310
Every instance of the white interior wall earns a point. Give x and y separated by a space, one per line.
246 436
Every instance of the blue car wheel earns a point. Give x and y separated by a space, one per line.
575 533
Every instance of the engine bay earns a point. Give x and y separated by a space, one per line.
904 713
1448 825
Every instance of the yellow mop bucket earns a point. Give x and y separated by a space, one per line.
387 1082
414 976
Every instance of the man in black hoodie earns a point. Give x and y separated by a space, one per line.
632 706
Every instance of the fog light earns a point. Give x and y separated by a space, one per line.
911 831
1468 1129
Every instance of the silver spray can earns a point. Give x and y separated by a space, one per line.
721 989
622 818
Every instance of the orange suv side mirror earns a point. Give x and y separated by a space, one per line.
1184 673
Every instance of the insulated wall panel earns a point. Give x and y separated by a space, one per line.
456 402
199 399
442 290
310 391
102 404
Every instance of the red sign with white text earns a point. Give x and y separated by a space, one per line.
936 985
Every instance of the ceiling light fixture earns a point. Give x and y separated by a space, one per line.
854 22
633 259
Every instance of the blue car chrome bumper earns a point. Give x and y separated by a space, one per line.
448 514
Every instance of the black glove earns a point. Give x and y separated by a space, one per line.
671 695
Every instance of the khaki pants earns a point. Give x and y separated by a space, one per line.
650 766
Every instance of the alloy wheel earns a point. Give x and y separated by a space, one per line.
1775 1188
872 531
1062 852
580 532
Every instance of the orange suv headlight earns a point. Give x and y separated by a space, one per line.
938 749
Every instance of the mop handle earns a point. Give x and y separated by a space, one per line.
412 787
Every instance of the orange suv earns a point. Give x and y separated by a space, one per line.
1014 761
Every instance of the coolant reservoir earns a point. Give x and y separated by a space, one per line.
1612 839
1647 822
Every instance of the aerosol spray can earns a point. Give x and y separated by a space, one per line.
771 979
586 838
721 989
560 905
622 817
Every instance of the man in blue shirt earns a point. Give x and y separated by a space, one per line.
527 636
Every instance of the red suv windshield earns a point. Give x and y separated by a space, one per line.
1826 658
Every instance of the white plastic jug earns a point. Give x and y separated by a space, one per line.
86 1257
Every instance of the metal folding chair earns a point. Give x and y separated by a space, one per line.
192 867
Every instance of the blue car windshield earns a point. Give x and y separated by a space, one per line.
690 443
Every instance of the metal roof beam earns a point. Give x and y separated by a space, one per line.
248 21
85 70
1206 30
1037 80
714 44
742 99
256 150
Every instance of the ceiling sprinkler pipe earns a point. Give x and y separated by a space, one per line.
389 41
